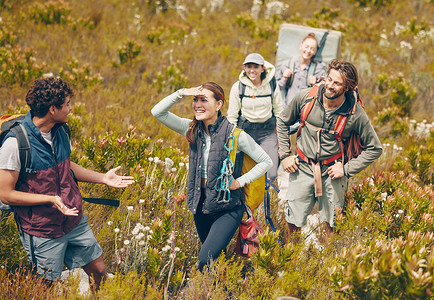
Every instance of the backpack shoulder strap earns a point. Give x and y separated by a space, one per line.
342 120
241 90
292 68
24 151
308 104
233 154
310 71
273 87
310 100
321 43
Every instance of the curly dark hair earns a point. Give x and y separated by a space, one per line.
46 92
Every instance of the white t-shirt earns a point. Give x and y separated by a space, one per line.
9 154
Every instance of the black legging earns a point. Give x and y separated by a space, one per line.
216 231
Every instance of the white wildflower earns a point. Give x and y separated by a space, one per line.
256 9
400 212
151 159
404 44
156 160
141 201
109 223
166 248
274 8
173 170
46 75
126 242
172 255
142 243
116 230
181 164
146 228
135 231
177 249
383 196
139 236
130 207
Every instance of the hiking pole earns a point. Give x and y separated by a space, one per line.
267 206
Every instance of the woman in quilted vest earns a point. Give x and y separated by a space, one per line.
216 216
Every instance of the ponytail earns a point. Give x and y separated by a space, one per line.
192 128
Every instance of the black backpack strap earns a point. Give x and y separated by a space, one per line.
273 85
103 201
322 43
24 151
241 90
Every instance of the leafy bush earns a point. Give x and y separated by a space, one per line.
50 12
372 3
80 76
18 66
129 51
172 78
7 34
402 268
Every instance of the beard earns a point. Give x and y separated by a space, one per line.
333 95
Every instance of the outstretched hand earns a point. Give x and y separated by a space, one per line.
58 203
194 91
117 181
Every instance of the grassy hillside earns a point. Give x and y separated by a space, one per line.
124 56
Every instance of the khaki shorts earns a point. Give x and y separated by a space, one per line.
75 249
301 199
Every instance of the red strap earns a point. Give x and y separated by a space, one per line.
340 125
5 117
324 162
331 159
301 154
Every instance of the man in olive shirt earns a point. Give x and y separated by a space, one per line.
317 171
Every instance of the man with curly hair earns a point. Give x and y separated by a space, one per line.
48 204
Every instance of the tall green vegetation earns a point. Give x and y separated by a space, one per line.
124 56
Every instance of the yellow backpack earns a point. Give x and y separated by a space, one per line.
254 191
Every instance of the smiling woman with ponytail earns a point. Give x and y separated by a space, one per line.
216 221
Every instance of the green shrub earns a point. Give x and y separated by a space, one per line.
80 76
372 3
7 35
402 268
172 78
18 66
50 12
129 51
